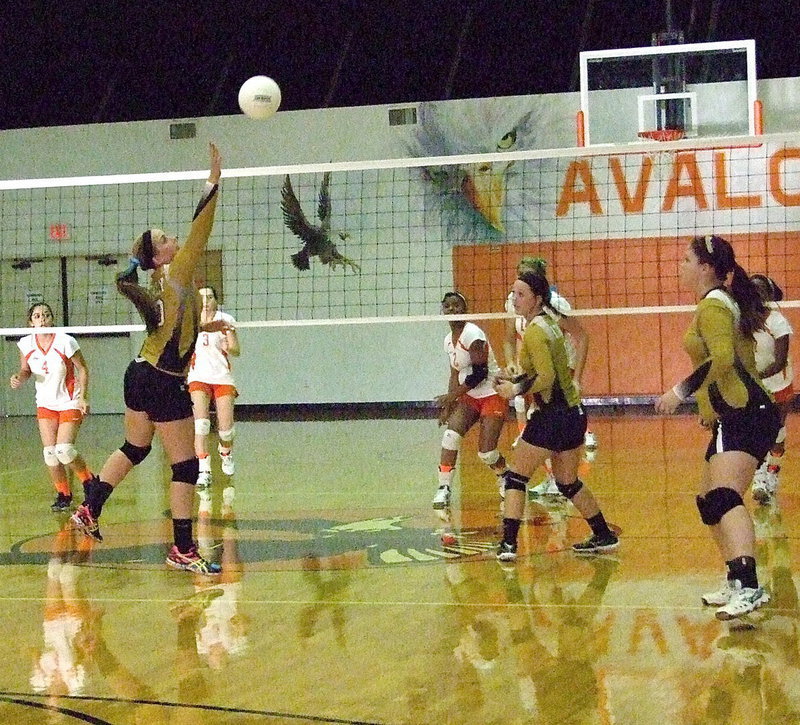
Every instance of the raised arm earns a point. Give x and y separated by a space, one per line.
188 256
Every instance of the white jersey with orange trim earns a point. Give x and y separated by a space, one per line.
53 370
775 326
560 307
458 353
210 362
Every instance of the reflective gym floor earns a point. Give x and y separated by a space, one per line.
338 602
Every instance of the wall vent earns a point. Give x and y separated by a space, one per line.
182 130
403 116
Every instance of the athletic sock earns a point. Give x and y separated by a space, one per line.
743 569
97 493
510 530
599 526
182 533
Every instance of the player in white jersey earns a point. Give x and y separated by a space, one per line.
777 373
61 377
211 378
470 397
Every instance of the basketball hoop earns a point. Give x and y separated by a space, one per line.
662 159
663 134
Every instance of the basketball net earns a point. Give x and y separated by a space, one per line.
664 158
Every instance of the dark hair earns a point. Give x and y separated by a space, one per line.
775 292
539 286
451 294
213 290
145 301
39 304
143 250
718 253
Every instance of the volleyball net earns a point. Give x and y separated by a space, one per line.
382 241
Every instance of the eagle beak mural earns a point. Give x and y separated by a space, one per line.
317 241
484 187
486 201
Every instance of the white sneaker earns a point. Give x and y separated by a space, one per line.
719 597
760 489
228 494
743 601
590 440
228 467
204 507
204 479
546 488
442 498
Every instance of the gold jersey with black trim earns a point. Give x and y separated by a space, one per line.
544 357
717 346
170 346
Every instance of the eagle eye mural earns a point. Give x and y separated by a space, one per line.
477 201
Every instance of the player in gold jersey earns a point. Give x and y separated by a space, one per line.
734 404
556 424
156 397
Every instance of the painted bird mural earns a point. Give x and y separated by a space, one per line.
317 239
491 201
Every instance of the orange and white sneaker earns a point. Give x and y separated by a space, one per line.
82 520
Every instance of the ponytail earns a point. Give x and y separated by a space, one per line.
144 300
718 253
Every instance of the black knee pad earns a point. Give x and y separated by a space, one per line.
716 503
515 481
135 454
570 489
186 471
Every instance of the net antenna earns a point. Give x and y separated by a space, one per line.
704 90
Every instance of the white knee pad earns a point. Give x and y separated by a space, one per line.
50 456
227 435
781 435
490 457
451 441
66 453
202 426
519 404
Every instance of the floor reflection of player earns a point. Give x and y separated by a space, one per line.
211 614
750 685
329 582
542 674
60 668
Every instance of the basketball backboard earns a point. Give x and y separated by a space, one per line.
702 89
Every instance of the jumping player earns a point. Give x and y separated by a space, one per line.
156 398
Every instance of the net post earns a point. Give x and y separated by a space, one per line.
580 127
758 117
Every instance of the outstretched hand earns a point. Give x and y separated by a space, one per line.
216 164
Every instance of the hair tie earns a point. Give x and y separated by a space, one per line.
710 244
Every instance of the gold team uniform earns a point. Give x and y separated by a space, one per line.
557 421
730 396
155 381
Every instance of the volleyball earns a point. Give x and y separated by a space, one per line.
259 97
